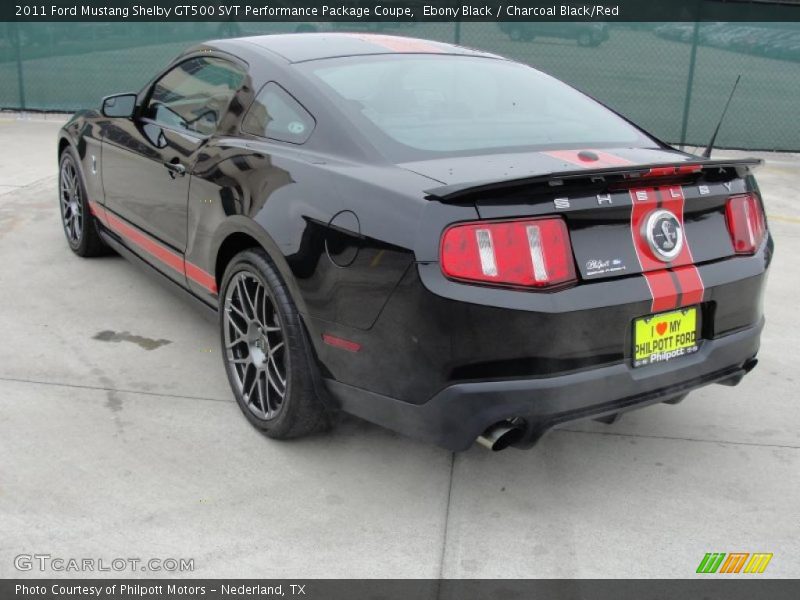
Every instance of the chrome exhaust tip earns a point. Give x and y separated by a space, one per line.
500 436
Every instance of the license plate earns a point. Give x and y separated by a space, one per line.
666 336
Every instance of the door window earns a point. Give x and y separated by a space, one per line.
194 95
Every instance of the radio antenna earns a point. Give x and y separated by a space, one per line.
707 151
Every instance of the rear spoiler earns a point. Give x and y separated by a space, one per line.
460 192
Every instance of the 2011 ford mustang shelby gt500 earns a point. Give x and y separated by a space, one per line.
439 240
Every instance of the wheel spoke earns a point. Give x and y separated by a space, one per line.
264 319
252 385
241 370
244 300
276 370
279 390
251 302
262 394
238 340
237 310
235 325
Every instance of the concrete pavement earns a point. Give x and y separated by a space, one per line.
119 438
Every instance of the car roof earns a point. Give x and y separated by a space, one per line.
300 47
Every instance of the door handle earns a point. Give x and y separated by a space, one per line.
175 169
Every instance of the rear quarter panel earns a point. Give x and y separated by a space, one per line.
340 233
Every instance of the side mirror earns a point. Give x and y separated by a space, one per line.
119 105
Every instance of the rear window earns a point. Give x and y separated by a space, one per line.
415 106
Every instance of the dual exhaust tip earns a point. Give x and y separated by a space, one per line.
502 435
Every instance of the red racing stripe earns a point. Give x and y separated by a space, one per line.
604 159
672 200
692 288
163 254
691 284
662 287
644 201
398 44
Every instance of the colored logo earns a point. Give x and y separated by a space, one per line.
664 234
734 562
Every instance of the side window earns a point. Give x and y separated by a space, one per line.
195 94
277 115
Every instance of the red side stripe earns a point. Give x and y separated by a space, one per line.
169 258
163 254
604 159
200 277
98 211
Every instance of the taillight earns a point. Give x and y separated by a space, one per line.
529 253
746 223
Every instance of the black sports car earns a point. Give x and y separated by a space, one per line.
436 239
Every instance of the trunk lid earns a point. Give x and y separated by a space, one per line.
606 198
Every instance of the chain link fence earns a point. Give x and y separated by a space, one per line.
670 78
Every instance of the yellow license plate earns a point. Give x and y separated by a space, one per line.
663 337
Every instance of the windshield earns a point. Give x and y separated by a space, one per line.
428 106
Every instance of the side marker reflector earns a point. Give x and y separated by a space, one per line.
338 342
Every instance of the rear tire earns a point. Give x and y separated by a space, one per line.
80 227
266 351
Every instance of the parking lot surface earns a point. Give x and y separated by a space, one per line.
119 438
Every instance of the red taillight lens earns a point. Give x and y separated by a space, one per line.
530 253
746 223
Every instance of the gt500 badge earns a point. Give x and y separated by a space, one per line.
664 234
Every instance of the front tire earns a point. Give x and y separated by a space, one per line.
265 350
79 224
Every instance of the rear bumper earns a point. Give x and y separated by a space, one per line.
458 414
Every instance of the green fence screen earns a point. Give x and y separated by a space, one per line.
671 78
